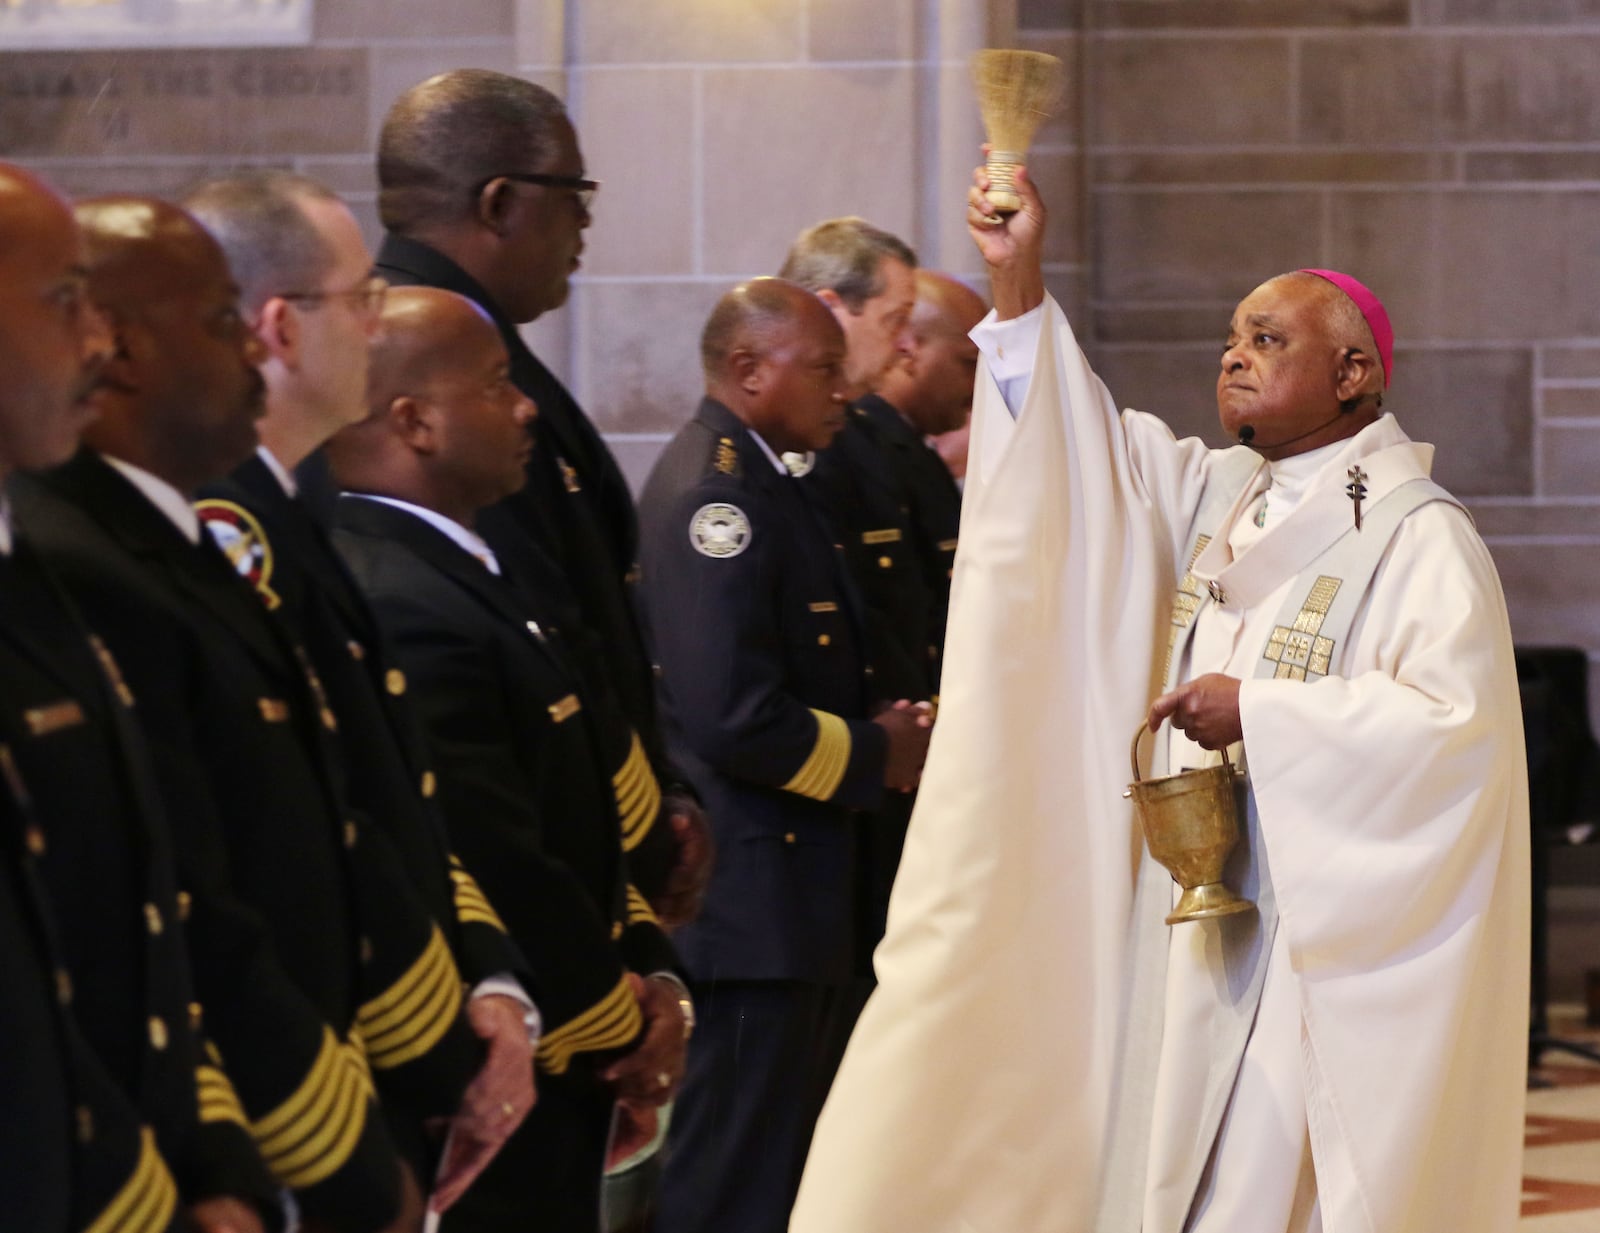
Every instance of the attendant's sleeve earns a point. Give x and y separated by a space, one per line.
489 804
718 636
1009 347
307 1095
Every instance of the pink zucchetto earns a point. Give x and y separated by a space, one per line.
1372 309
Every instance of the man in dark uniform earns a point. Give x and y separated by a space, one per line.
925 393
88 835
483 192
758 632
304 275
316 966
524 779
866 277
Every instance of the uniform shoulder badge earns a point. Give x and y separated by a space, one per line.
727 462
719 530
238 533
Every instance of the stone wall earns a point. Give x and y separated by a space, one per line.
1446 151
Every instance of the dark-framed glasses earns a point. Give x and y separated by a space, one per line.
584 190
368 295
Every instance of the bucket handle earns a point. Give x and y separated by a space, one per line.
1133 753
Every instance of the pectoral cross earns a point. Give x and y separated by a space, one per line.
1356 489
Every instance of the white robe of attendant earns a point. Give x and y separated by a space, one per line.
1382 1088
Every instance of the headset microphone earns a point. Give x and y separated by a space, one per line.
1247 434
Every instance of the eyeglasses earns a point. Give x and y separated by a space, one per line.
583 189
369 294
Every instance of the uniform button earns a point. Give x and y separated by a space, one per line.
395 681
366 950
838 547
533 628
85 1124
885 562
656 668
36 843
197 1016
357 651
152 918
350 834
329 721
64 986
823 640
933 652
616 931
430 784
788 837
158 1033
185 904
869 671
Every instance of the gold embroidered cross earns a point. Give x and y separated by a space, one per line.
1301 650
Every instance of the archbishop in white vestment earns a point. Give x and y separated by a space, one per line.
1043 1054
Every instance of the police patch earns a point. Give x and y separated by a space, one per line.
719 530
238 533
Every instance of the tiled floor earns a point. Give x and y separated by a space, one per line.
1561 1164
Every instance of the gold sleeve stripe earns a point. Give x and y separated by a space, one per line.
147 1199
353 1053
472 905
307 1105
639 909
608 1024
329 1145
409 1018
638 796
218 1101
822 772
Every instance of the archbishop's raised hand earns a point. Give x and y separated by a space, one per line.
1011 244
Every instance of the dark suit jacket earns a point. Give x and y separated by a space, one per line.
764 683
72 1150
577 509
933 509
286 553
532 800
314 960
104 855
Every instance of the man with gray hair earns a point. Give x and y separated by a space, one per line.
484 193
306 288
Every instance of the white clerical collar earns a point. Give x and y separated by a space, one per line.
464 538
5 526
766 449
281 473
163 496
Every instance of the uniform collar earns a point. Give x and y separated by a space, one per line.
282 474
162 495
468 540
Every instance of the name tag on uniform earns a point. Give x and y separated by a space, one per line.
273 710
564 709
830 606
43 720
890 535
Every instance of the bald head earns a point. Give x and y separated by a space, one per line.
51 343
1340 317
931 385
181 395
424 330
774 355
140 251
449 134
447 429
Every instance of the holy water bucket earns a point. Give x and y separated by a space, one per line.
1191 825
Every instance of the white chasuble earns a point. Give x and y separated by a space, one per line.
1381 1086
